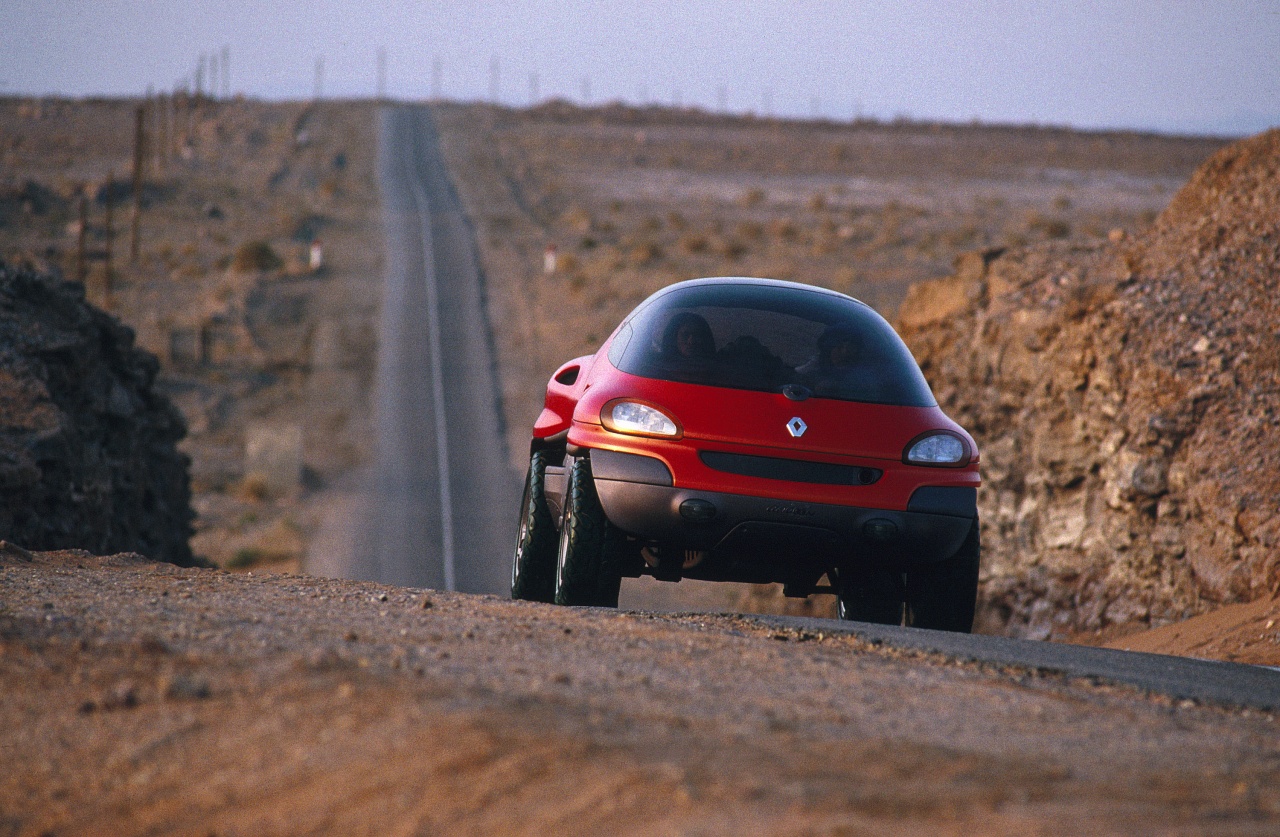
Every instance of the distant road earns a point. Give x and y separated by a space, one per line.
442 502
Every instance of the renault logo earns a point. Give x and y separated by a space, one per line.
796 427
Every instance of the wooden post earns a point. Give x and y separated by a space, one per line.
106 279
82 268
161 141
139 137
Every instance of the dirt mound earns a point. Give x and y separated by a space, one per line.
88 455
1126 396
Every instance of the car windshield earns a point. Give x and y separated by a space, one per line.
766 337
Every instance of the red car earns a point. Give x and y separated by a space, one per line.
757 431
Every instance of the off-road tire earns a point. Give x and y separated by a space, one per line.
943 596
871 594
587 572
533 566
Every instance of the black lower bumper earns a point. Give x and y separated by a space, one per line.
734 527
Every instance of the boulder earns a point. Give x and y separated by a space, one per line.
88 446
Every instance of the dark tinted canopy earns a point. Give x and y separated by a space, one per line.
766 336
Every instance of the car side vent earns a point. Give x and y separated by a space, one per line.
792 470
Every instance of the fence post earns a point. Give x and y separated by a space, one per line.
106 279
82 269
139 137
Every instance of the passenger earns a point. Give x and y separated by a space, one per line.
839 363
688 337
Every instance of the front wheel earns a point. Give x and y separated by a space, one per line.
533 567
585 571
944 596
870 594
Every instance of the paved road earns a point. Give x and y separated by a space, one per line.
442 501
1207 681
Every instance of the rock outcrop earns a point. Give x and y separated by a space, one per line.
1126 397
88 455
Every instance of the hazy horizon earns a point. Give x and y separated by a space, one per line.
1170 67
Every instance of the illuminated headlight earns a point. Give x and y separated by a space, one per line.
638 419
938 448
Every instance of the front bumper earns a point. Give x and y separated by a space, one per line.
731 526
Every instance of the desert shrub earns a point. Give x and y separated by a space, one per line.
750 230
255 255
785 229
753 197
729 248
651 224
245 556
675 220
694 243
1048 227
644 253
818 202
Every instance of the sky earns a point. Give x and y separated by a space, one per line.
1210 67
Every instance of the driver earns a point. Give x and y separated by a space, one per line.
841 354
688 337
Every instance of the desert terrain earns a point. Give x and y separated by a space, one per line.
271 362
246 696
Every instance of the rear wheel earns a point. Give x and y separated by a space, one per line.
587 569
871 594
943 596
533 567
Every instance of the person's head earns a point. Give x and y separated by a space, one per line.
688 335
840 345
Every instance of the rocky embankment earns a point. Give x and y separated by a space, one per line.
1126 396
88 455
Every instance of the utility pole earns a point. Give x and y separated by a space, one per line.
382 73
319 88
226 72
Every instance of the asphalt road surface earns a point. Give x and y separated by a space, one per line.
442 501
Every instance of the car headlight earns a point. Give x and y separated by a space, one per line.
937 447
638 419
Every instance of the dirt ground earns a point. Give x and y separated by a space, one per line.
142 698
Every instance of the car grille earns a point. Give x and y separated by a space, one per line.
792 470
